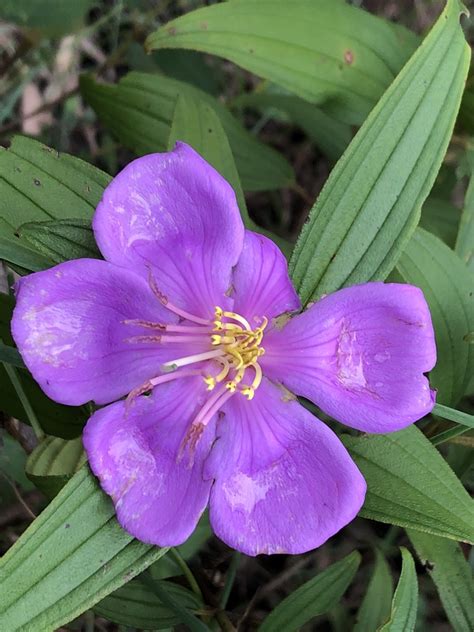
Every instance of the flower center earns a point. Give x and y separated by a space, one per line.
240 345
228 341
233 345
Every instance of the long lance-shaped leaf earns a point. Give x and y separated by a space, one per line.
405 600
448 287
72 556
313 598
140 109
314 48
371 203
452 576
53 462
376 605
411 485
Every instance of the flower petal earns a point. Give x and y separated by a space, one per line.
261 282
68 325
360 355
158 498
174 212
284 483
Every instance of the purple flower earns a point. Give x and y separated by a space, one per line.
194 309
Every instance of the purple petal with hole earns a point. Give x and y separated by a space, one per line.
360 354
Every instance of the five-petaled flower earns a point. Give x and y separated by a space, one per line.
189 315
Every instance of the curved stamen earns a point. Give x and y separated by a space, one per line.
207 412
200 330
173 308
249 391
239 319
161 379
172 365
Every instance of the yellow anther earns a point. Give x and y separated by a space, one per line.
216 339
249 392
261 351
210 381
218 325
218 312
231 386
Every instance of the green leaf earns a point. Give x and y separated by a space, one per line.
317 50
465 238
38 183
12 468
53 462
140 109
187 66
18 253
72 556
374 195
137 606
313 598
10 355
329 134
61 240
183 614
405 600
452 576
448 286
49 17
376 605
441 218
411 485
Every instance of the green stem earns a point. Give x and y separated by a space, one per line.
224 621
446 435
454 415
229 580
30 413
186 572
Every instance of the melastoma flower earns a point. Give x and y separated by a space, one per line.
189 317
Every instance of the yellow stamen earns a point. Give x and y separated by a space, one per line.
239 350
239 319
